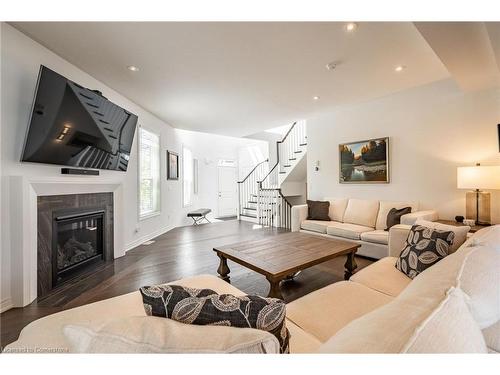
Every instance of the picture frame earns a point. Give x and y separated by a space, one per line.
172 165
364 162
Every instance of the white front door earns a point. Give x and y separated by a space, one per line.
227 191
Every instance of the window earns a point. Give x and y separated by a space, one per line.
187 176
149 173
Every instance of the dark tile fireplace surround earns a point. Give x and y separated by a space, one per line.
75 235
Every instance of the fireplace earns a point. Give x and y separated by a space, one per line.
75 238
77 242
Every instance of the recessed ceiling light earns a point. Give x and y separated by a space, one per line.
315 97
133 68
350 27
399 68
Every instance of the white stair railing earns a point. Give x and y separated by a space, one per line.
248 188
273 209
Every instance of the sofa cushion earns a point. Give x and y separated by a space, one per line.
450 328
206 307
386 206
346 230
424 247
148 334
315 225
383 277
318 210
376 236
300 340
460 232
333 307
361 212
47 332
337 208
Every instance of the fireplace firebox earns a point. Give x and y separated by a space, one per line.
77 242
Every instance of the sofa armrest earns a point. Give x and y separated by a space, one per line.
410 219
299 214
397 238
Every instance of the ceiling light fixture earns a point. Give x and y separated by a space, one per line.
315 97
399 68
351 27
332 65
133 68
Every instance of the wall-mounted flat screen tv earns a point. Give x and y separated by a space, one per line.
74 126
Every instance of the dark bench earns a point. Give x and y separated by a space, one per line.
199 215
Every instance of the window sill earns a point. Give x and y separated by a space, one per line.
149 215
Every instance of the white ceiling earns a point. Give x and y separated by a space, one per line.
241 78
468 51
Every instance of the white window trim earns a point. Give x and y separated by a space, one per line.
157 212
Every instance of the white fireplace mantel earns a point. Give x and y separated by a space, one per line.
23 223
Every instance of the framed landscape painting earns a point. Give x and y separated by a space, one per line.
364 162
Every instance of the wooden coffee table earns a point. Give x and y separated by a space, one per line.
281 256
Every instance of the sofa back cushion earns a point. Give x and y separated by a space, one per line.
450 328
361 212
385 207
337 208
479 278
446 326
148 334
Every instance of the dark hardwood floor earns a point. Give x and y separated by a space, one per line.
182 252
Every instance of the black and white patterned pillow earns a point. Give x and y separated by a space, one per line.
423 248
206 307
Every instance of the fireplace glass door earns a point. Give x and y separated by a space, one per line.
78 241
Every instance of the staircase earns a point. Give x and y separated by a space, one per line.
260 197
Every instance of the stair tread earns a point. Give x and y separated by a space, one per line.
249 215
250 208
298 152
303 144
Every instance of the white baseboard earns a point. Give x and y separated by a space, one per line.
147 237
6 304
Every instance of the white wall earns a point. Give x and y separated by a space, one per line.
433 129
208 149
21 58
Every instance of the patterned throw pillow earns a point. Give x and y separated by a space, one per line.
206 307
423 248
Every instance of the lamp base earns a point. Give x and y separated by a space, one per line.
478 207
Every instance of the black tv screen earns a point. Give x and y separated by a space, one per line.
73 126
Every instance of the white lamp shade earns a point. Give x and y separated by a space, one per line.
479 177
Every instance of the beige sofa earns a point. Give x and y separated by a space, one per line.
357 220
454 306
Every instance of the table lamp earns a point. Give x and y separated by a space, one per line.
477 178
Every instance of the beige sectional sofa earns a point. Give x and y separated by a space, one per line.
357 220
454 306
